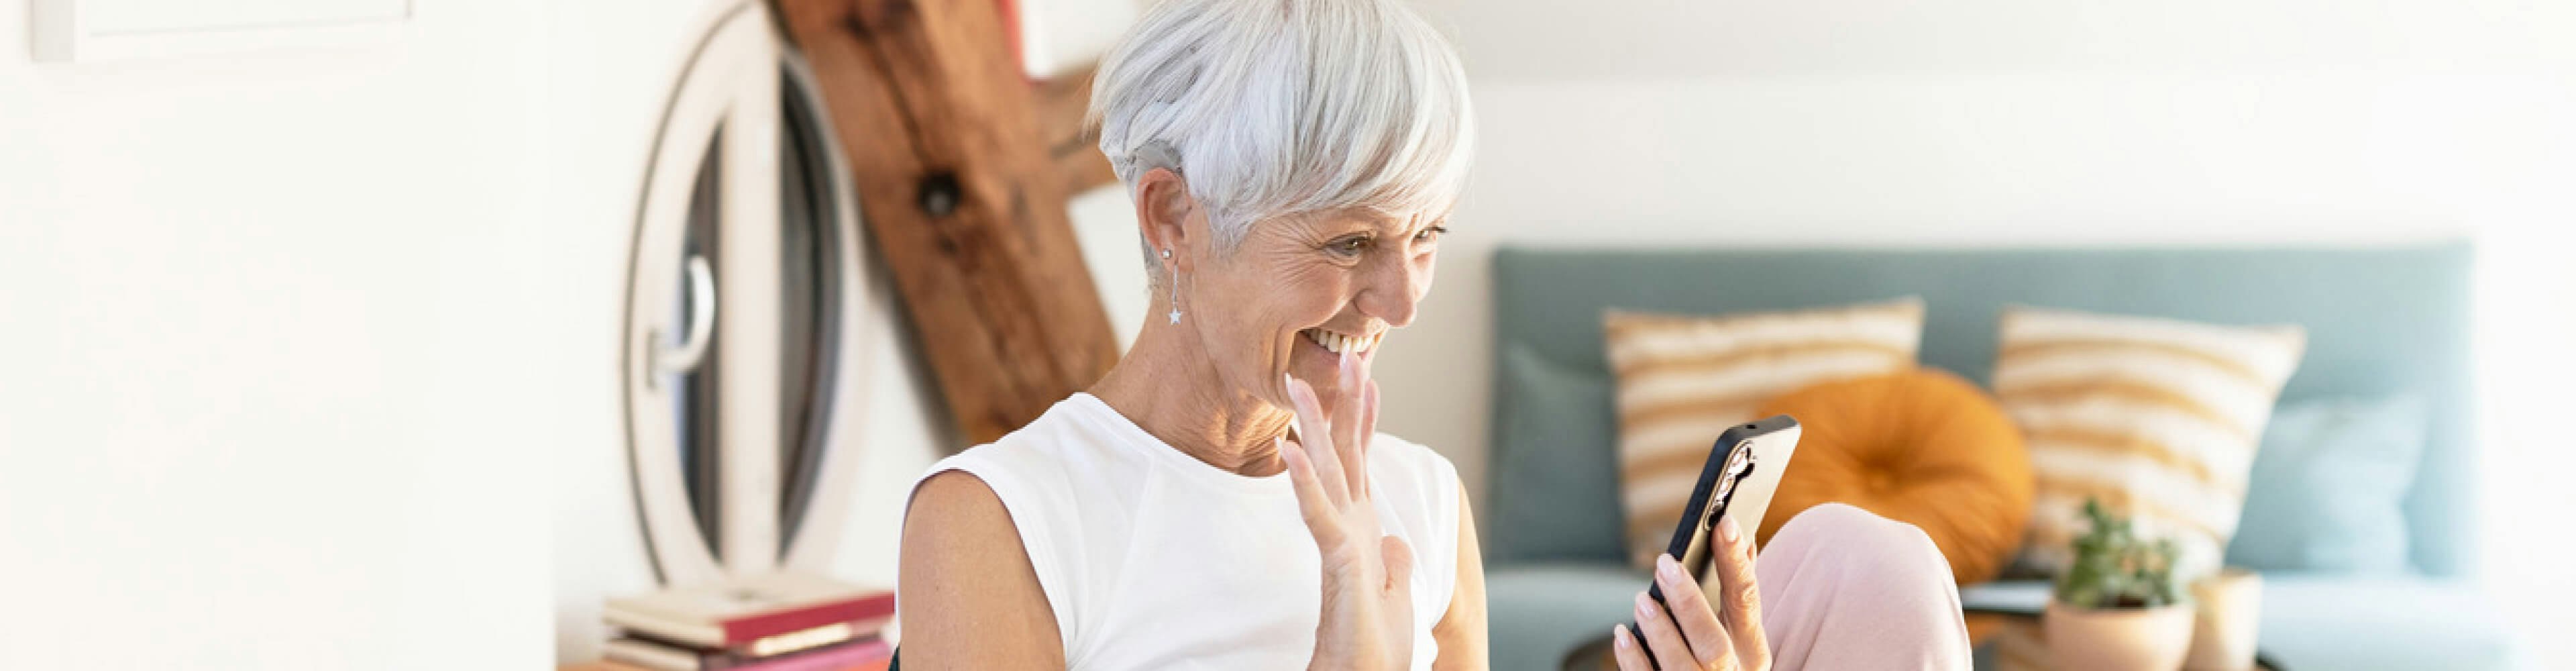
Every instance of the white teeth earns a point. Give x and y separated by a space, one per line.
1338 343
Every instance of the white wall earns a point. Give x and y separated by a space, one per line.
304 344
606 75
264 400
2035 123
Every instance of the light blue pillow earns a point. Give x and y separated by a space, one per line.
2329 486
1555 481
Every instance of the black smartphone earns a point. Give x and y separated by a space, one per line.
1742 471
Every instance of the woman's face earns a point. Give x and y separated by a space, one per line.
1300 292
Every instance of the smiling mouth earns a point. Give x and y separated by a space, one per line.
1342 343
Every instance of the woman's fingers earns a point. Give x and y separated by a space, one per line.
1699 624
1692 634
1742 612
1314 432
1346 421
1368 432
1663 642
1312 503
1623 646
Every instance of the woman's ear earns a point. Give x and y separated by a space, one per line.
1163 208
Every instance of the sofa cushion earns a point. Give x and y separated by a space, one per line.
1683 379
1555 489
1921 447
2329 487
2156 418
1536 613
2390 622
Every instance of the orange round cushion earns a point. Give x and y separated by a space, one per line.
1922 447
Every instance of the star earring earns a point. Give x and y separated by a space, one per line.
1175 314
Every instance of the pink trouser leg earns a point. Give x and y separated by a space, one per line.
1846 589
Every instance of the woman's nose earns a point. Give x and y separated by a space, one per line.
1389 294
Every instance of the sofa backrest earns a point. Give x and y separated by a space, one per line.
2380 321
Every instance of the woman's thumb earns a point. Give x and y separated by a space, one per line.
1399 563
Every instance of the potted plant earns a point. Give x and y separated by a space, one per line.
2118 605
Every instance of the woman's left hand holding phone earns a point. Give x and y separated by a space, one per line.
1691 634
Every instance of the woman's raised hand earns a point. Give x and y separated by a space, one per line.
1367 618
1695 635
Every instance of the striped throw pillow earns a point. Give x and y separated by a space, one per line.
2156 417
1683 379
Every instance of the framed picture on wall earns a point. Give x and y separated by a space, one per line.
82 31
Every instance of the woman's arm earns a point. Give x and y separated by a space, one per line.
1461 631
971 598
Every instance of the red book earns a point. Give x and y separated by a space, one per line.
846 657
767 646
660 656
741 612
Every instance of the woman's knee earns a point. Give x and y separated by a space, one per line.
1844 524
1859 591
1853 534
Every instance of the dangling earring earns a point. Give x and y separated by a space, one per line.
1175 314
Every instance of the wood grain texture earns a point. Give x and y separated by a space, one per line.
1074 146
962 199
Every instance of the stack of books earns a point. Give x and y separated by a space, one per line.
774 622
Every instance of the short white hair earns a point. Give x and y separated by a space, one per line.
1270 108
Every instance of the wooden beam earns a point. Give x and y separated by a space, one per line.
1073 145
962 199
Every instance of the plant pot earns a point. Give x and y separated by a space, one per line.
2118 639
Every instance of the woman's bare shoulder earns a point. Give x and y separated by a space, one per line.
970 596
957 501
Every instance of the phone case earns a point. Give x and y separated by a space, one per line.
1730 461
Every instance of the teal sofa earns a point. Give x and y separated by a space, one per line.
2380 321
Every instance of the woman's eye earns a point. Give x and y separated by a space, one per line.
1350 245
1430 234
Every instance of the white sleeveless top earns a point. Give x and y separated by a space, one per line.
1152 559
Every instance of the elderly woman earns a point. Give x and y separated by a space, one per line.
1221 499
